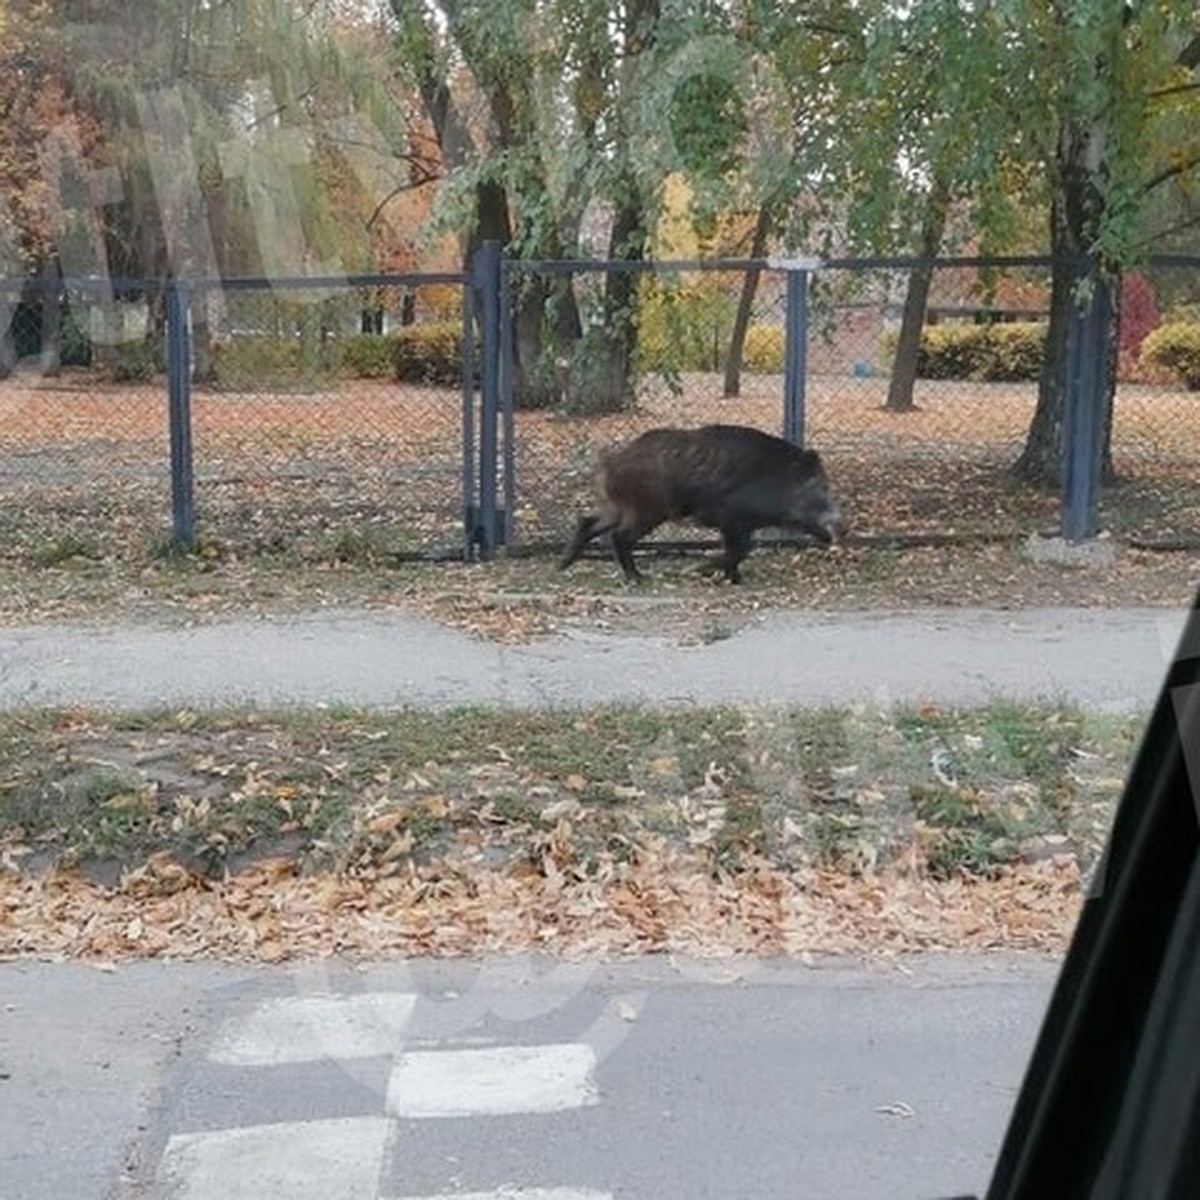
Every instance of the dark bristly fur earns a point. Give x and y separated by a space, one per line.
726 477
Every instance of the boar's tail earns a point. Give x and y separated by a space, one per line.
589 528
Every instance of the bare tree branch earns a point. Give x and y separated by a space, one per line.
1160 93
1171 172
1158 235
410 185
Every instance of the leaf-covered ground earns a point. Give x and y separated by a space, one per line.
313 496
251 836
265 836
519 599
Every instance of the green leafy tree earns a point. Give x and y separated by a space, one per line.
1106 101
551 120
1086 109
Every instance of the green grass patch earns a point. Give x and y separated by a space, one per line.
65 549
968 790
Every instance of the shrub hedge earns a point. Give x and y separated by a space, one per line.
763 352
1002 352
134 362
429 353
365 355
1176 346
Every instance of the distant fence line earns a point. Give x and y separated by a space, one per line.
299 418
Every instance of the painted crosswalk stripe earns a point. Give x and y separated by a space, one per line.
296 1029
495 1080
516 1193
334 1159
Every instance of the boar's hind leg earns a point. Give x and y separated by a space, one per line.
623 542
737 546
589 527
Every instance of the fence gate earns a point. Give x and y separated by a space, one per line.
328 419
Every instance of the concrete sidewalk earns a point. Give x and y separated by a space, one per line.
1112 658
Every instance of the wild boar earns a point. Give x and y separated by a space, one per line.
725 477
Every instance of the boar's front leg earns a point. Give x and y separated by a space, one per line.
737 540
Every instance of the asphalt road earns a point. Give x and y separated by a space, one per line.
656 1080
1114 658
411 1081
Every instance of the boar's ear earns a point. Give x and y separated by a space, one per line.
806 461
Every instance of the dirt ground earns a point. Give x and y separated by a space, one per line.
320 499
316 497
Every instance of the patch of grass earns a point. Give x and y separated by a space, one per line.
820 739
742 831
371 791
832 838
628 745
964 831
1007 777
64 550
309 545
1036 743
514 810
359 547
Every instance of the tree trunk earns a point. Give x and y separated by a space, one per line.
1041 460
916 301
51 319
156 327
908 346
532 386
539 376
628 244
8 339
603 378
1073 211
204 367
741 321
603 375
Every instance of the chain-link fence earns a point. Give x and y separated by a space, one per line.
928 461
84 466
324 424
926 453
571 392
353 420
330 423
1156 414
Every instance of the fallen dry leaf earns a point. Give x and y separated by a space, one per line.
664 901
900 1109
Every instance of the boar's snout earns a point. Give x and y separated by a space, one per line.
818 514
829 528
836 526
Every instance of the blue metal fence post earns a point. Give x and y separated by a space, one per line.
179 414
1083 408
508 369
795 349
470 500
485 278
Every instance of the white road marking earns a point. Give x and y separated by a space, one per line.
515 1193
297 1029
333 1160
486 1082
